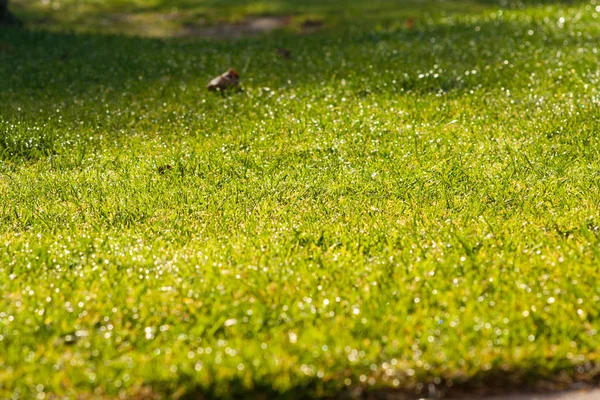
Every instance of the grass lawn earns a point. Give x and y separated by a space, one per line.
395 207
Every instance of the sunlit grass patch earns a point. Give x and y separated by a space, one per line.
391 207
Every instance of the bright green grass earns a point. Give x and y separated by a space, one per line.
389 209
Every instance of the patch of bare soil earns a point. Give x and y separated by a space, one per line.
569 395
544 390
248 27
186 24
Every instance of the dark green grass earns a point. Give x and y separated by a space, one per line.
391 208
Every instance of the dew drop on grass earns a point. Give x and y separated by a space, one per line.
230 322
293 337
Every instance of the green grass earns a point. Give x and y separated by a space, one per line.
392 208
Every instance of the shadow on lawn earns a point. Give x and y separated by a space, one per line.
100 75
497 381
62 67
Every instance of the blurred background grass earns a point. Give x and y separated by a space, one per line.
174 18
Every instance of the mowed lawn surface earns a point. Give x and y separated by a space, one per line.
400 206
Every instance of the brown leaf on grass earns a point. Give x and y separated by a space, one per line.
229 79
5 47
164 168
284 53
312 23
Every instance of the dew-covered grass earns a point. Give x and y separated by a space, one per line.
397 206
